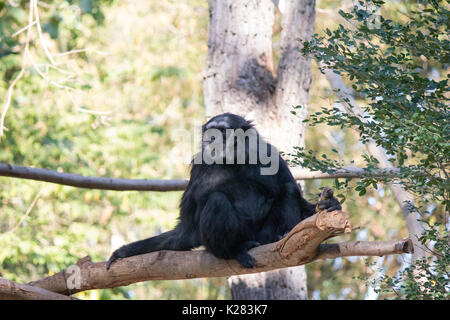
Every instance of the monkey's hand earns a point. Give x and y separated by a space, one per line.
327 201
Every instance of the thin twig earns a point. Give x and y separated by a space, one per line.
79 51
23 29
44 76
39 29
19 76
26 213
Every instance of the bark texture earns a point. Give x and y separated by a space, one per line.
239 74
288 285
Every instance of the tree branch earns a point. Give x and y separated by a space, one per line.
300 173
10 290
300 246
363 248
118 184
76 180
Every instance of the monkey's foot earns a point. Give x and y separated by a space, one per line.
246 260
327 201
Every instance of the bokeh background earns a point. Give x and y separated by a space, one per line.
112 109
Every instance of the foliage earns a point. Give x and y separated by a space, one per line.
428 278
395 67
140 82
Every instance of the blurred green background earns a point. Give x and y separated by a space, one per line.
112 110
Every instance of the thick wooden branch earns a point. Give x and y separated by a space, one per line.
118 184
10 290
300 246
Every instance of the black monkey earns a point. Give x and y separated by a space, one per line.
231 208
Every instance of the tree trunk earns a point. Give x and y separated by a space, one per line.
239 78
281 284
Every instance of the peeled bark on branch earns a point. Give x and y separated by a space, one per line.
10 290
119 184
300 246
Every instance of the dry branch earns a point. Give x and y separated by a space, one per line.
10 290
300 246
118 184
364 248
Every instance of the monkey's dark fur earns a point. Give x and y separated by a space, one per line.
231 208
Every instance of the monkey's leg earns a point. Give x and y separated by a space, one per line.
244 258
223 231
171 240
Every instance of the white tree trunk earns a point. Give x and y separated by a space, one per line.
402 197
239 78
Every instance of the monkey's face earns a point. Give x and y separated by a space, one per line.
228 137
